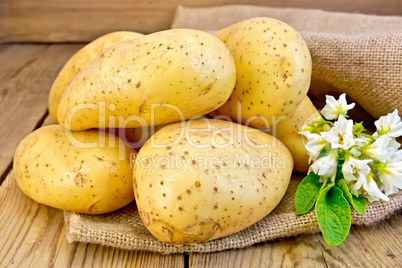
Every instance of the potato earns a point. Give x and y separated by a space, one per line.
200 180
78 61
136 137
273 66
157 79
83 171
287 131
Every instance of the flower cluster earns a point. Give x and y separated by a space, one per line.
371 164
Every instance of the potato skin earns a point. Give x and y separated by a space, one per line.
287 131
273 66
180 73
136 137
78 61
56 172
204 187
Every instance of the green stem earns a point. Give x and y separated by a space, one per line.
364 135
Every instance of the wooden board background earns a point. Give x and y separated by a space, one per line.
83 20
32 235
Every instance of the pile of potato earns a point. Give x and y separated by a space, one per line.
209 170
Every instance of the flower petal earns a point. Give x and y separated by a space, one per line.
383 148
326 166
390 124
391 176
373 192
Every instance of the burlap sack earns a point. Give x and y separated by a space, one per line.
124 228
357 54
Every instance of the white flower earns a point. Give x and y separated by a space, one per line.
360 180
391 175
314 145
368 188
354 169
355 187
371 190
390 124
326 165
334 107
383 148
361 141
341 135
355 152
315 125
397 156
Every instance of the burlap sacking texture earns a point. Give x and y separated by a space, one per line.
124 228
360 55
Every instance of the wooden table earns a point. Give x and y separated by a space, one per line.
33 235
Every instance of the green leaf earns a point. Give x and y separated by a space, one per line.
323 152
307 193
341 184
358 203
341 155
339 174
333 215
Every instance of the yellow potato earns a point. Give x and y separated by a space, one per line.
76 171
273 66
200 180
78 61
136 137
287 131
160 78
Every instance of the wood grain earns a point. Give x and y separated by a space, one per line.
26 74
366 246
301 251
33 235
82 21
379 245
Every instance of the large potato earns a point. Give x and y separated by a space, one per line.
287 131
273 66
200 180
160 78
80 171
78 61
136 137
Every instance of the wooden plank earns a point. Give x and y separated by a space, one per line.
366 246
33 235
82 21
379 245
300 251
26 75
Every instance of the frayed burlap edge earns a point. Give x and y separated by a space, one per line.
124 229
